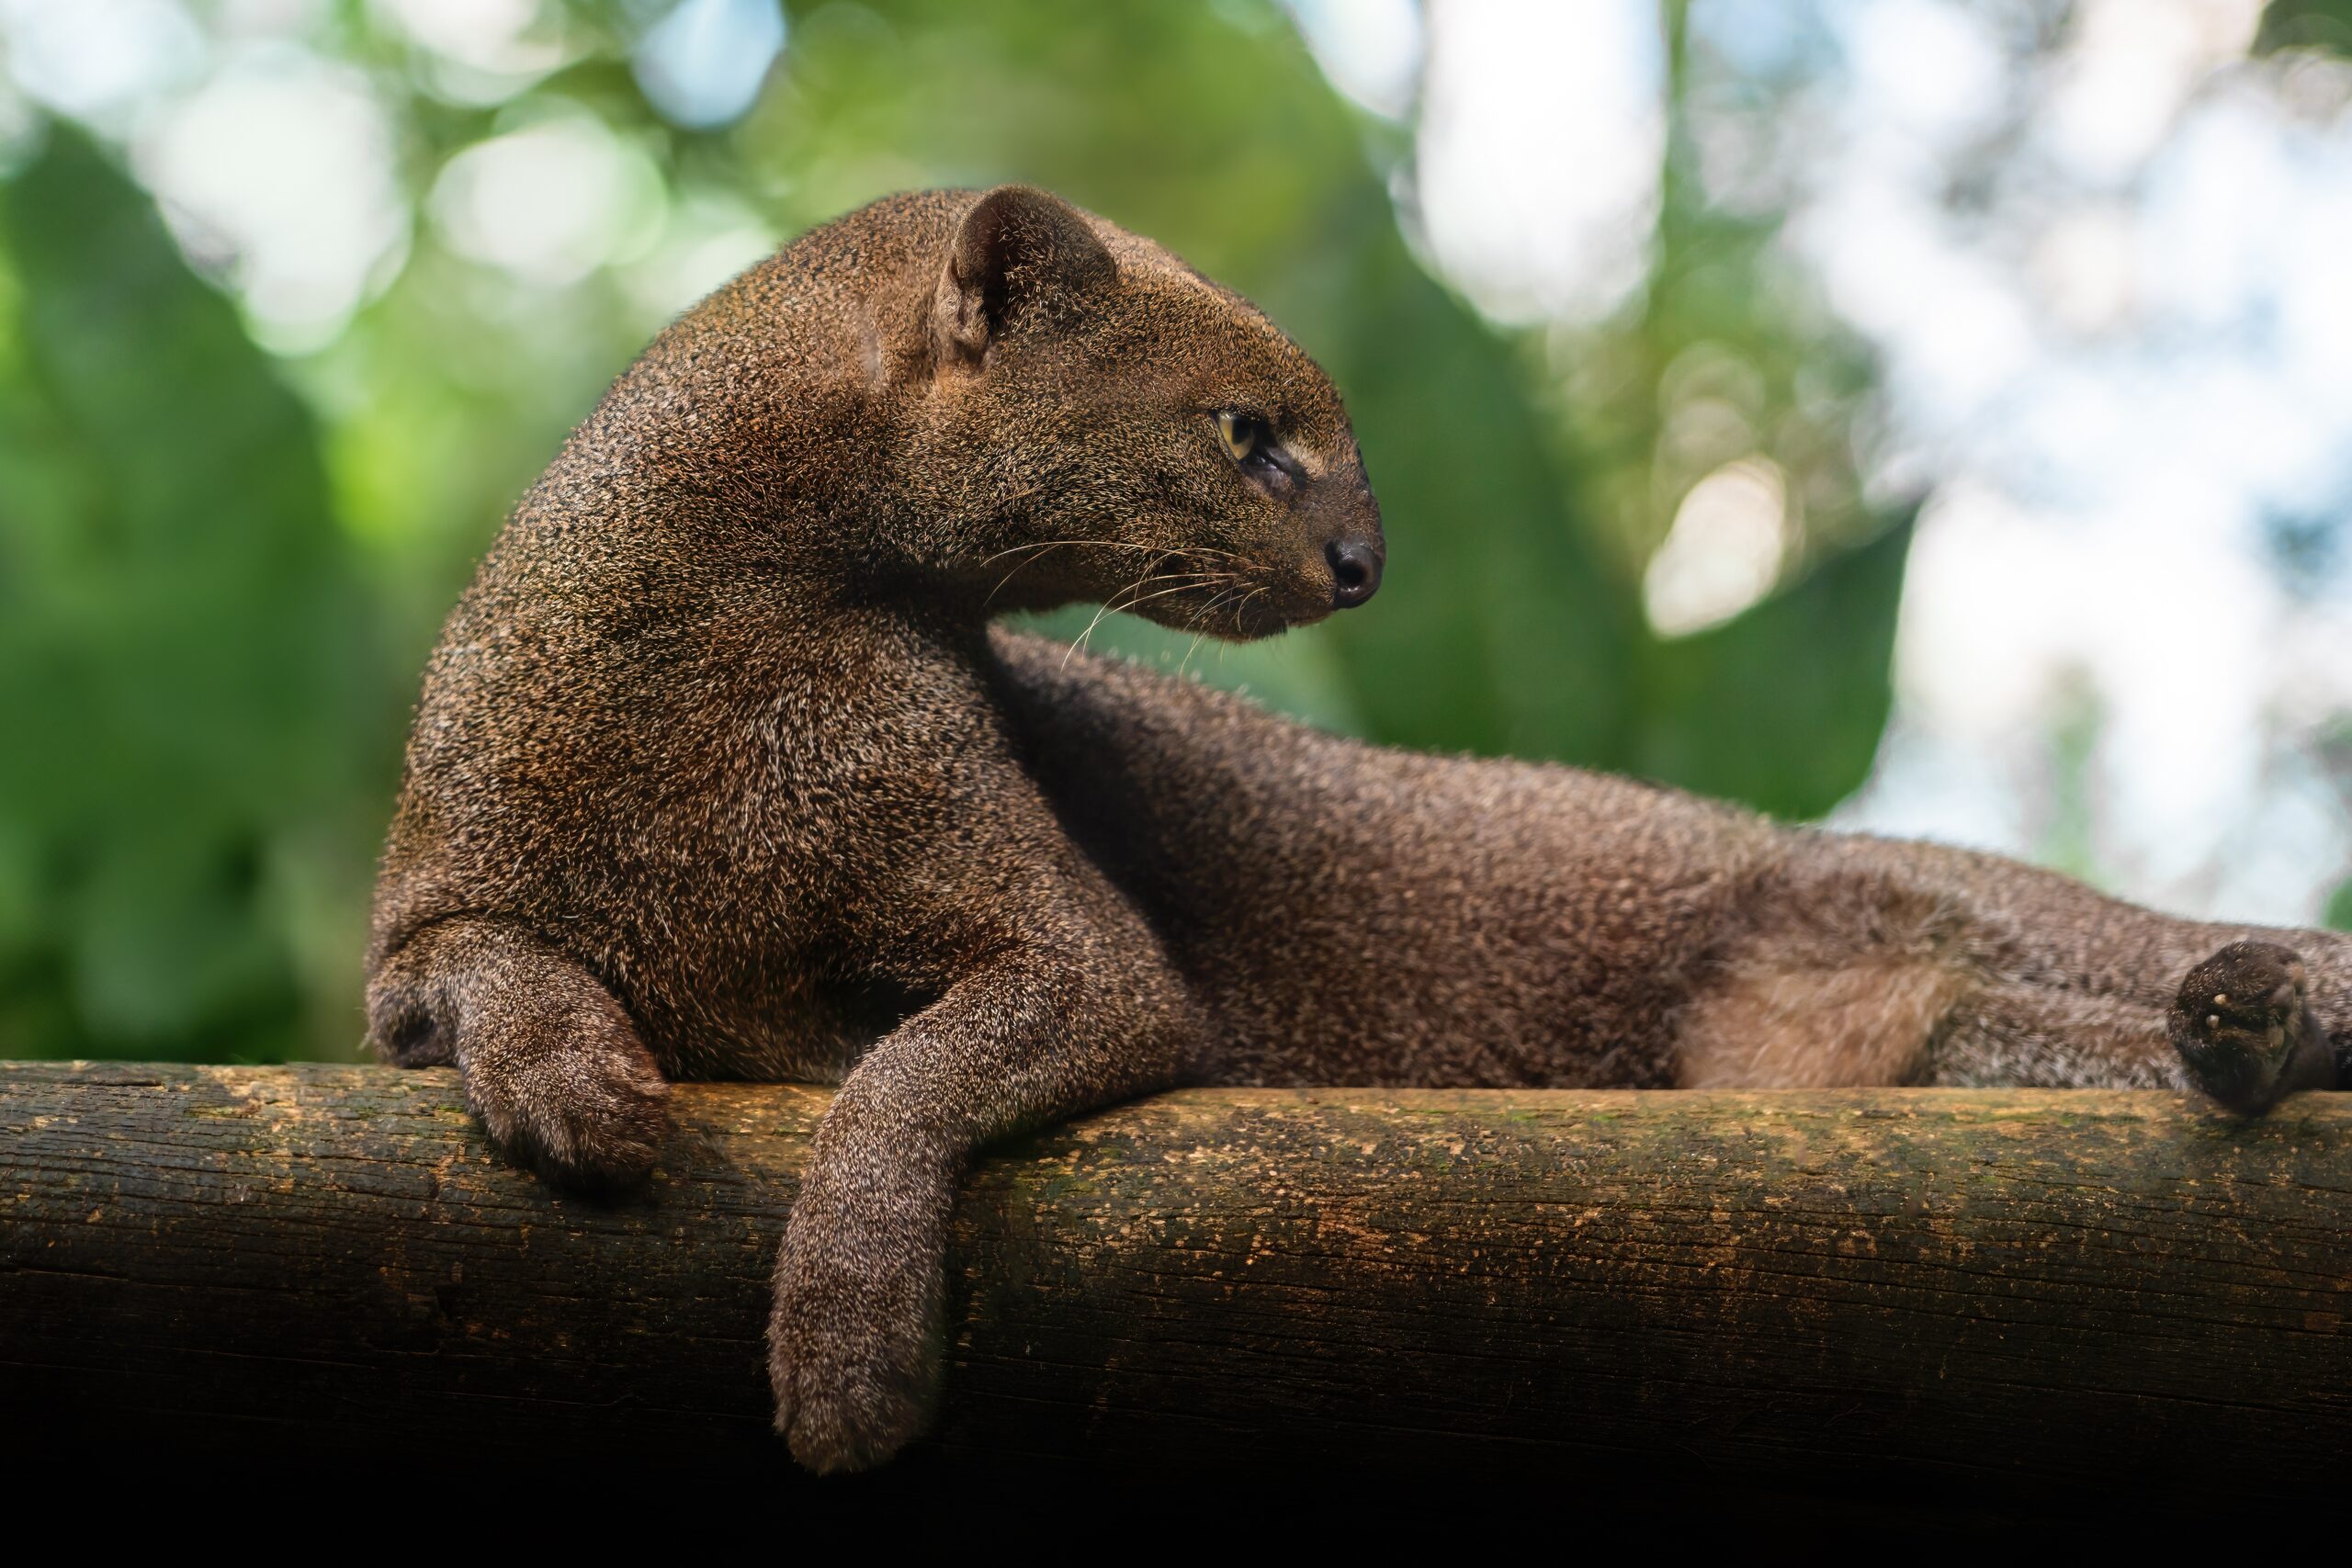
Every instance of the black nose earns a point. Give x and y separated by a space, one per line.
1355 572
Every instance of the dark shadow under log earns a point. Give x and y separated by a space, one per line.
2006 1295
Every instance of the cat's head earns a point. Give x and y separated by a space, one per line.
1115 428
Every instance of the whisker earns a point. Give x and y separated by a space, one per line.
1238 612
1035 550
1191 648
1171 553
1114 601
1019 566
1242 609
1071 651
1163 594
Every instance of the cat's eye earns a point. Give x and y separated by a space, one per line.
1245 435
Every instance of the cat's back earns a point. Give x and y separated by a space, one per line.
1361 913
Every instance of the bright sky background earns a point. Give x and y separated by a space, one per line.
2121 377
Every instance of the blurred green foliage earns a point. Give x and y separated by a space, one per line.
2305 24
187 658
219 570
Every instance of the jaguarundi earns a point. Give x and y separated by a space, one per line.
720 770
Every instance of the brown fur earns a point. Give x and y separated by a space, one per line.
720 770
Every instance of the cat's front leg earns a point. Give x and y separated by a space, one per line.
1069 1020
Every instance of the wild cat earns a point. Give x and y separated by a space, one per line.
720 768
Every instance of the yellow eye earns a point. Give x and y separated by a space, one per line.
1241 433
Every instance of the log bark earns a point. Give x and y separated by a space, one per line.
2011 1295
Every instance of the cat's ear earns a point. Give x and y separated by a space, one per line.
1021 257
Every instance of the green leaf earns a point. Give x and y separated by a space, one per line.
1782 707
2304 24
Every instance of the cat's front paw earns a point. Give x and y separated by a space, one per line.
589 1119
2245 1030
853 1359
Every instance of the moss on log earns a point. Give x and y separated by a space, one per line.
2012 1294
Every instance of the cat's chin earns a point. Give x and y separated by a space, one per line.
1248 619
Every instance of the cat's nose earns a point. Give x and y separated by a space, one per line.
1355 571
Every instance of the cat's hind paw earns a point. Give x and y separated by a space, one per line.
2245 1030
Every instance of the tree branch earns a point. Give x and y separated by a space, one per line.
2015 1295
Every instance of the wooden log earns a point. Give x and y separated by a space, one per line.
2011 1295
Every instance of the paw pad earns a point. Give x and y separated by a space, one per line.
2257 1037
